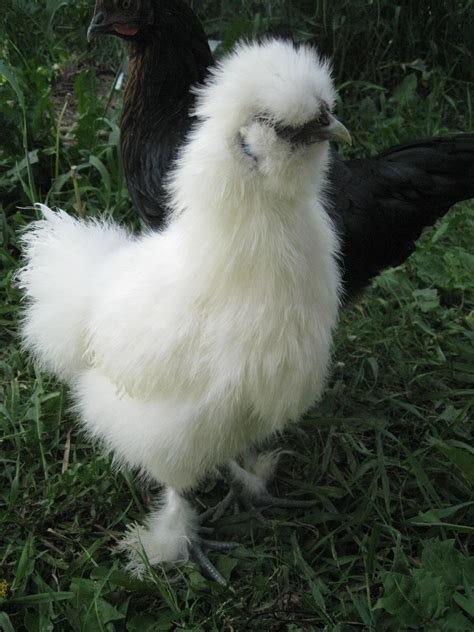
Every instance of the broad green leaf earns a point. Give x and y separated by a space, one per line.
462 459
399 599
443 560
38 621
5 623
430 592
10 77
150 623
405 90
118 578
101 168
464 603
25 565
226 564
454 621
426 299
106 612
42 598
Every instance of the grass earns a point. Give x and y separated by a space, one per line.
387 454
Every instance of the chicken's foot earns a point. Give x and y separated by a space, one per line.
248 488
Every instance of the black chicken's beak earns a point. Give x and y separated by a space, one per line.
99 24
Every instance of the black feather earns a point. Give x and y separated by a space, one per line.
380 205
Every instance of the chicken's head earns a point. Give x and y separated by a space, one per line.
274 102
125 18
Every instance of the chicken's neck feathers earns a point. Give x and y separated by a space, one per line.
247 238
162 70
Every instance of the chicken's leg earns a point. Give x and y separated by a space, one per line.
171 535
248 487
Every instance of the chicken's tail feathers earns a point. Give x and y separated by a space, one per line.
381 205
442 168
59 277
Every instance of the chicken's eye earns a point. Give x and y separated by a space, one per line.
126 4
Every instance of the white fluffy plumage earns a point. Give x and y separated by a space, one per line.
185 346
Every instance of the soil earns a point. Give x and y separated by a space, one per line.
64 89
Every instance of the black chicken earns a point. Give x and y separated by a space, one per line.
380 205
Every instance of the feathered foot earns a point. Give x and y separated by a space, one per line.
171 537
248 487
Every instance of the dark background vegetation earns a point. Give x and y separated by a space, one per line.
388 453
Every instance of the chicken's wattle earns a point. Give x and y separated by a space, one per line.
125 29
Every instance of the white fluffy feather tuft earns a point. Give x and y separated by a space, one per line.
264 464
164 538
270 77
59 280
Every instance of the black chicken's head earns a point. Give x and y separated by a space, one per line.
127 19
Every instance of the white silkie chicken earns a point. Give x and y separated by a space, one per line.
184 347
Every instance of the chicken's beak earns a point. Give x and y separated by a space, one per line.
98 25
335 131
315 131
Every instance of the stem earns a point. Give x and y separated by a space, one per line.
58 135
75 182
